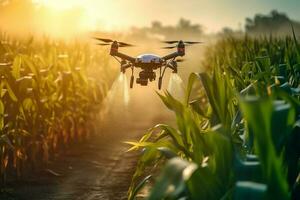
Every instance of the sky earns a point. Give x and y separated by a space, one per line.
212 14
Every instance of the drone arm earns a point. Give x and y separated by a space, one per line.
171 56
123 56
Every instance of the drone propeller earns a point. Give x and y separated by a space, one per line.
170 41
109 41
172 47
103 44
123 44
189 42
175 41
169 47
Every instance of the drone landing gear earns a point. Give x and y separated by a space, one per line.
131 78
159 83
161 75
131 81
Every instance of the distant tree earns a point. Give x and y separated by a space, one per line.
187 26
227 30
156 25
275 23
184 28
184 24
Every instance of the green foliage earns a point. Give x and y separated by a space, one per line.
48 100
270 126
238 138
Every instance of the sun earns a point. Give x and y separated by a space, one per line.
96 13
61 5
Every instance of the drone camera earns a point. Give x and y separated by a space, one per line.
147 75
141 81
144 76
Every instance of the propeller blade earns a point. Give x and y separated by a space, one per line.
175 41
108 41
189 42
103 44
170 41
123 44
103 39
126 46
169 47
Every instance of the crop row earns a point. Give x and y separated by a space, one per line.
238 130
48 101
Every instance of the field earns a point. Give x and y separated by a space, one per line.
237 129
49 100
235 136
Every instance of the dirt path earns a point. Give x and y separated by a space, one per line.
99 169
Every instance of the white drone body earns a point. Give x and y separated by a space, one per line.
148 58
147 62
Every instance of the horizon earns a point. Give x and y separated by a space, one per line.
76 17
227 14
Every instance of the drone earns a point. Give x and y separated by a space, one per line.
147 62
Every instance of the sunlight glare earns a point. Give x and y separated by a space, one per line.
96 14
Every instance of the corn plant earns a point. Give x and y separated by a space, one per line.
48 101
238 137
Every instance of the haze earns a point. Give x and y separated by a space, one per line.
213 14
69 17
